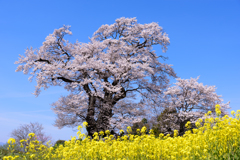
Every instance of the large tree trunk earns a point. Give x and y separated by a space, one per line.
104 117
105 106
92 125
103 121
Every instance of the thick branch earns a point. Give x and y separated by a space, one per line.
64 79
42 60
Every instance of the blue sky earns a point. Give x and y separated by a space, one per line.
204 40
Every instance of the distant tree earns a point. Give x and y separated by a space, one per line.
59 142
139 125
180 103
23 131
117 56
163 120
144 121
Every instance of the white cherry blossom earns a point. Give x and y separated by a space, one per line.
100 74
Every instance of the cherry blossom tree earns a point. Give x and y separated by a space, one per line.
100 74
182 99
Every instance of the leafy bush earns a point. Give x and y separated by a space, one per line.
3 152
57 143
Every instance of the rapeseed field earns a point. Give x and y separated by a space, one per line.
214 139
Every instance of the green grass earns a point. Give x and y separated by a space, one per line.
5 152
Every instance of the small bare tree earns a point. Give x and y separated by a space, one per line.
23 131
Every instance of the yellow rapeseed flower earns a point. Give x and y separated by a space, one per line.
121 131
31 135
226 116
175 133
188 124
195 131
197 124
129 129
234 145
79 132
143 130
11 140
161 135
79 127
107 132
85 124
101 133
95 134
209 112
32 156
218 113
151 131
211 120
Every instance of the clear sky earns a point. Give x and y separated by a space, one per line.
204 40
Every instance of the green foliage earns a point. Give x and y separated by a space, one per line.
5 152
57 143
160 122
60 142
139 125
144 121
157 129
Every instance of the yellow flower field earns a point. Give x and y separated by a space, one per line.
220 141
